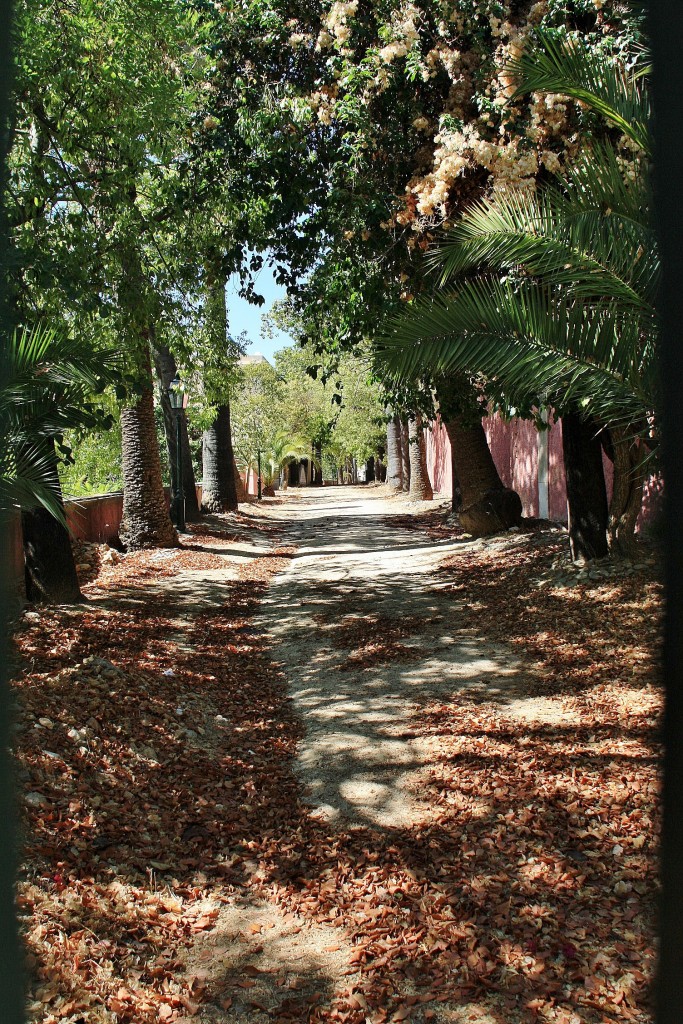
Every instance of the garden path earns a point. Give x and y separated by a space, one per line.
362 622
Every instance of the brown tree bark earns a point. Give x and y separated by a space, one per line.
586 491
420 484
405 456
219 491
219 478
146 521
394 456
627 492
166 370
487 506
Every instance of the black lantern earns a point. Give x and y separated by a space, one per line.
178 401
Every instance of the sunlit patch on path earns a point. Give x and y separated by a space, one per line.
367 641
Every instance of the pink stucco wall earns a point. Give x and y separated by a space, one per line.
557 492
514 447
439 458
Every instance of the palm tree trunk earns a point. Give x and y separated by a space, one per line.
166 370
586 491
420 484
146 522
487 506
627 493
394 459
219 491
405 456
49 566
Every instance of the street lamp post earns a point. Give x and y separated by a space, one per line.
178 400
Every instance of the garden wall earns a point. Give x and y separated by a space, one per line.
96 519
530 461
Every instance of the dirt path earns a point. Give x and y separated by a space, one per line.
365 638
288 775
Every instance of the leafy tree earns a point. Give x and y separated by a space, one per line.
573 320
91 160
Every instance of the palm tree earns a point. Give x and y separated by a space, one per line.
219 476
49 388
277 453
219 489
420 484
394 461
552 294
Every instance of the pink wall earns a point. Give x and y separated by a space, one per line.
95 519
557 493
439 458
514 447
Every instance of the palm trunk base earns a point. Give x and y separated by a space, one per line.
497 510
627 493
50 570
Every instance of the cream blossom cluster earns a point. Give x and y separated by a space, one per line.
404 33
323 103
549 116
510 166
476 128
337 29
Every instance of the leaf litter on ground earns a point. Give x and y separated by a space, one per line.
159 786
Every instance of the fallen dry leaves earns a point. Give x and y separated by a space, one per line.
157 772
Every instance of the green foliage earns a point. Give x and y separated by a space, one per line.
51 387
96 465
303 406
562 307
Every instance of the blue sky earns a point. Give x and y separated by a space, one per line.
242 316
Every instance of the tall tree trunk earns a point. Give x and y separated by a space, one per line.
166 369
240 489
219 491
420 484
586 491
394 455
405 456
219 483
370 470
146 522
627 492
49 567
317 466
487 505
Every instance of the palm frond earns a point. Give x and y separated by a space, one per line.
48 387
571 235
28 479
531 343
567 66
